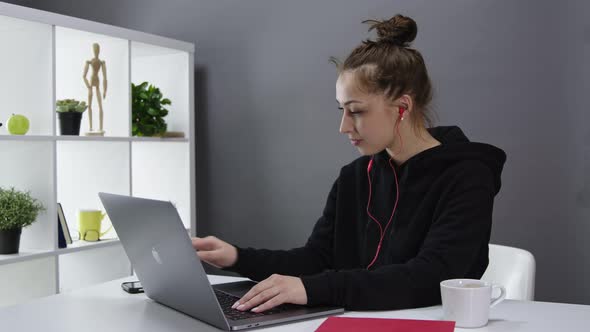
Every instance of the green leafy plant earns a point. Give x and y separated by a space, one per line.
147 110
70 105
17 209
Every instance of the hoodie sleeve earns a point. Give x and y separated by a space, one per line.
461 227
314 257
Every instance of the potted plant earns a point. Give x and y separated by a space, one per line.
17 210
69 113
147 110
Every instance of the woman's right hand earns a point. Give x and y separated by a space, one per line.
215 251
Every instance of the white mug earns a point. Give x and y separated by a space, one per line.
468 301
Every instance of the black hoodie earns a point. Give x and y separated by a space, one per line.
440 230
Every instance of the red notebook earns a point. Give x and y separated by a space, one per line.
349 324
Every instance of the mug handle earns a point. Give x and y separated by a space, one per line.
500 298
108 229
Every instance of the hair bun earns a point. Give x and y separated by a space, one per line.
399 30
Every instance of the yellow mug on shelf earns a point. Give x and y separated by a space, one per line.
89 224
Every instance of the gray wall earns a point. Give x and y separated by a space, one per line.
510 73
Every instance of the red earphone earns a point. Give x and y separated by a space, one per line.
369 167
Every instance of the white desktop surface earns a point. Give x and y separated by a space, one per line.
105 307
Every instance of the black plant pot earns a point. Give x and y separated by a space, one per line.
69 123
10 241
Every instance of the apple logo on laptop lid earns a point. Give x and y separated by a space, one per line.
156 255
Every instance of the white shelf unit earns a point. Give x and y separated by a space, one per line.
44 63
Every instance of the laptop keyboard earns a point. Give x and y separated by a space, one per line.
226 301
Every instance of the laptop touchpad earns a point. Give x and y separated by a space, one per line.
238 288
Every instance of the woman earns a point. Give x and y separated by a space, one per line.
414 210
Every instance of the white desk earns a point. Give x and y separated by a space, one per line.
106 307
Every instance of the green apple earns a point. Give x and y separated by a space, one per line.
17 124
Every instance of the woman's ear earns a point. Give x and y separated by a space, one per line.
406 102
402 107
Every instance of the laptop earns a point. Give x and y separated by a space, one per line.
160 250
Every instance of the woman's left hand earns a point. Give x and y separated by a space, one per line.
271 292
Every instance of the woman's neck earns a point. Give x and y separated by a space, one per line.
414 142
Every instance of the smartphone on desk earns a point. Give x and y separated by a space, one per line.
132 287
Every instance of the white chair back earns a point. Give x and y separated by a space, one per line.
514 269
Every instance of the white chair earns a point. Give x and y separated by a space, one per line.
514 269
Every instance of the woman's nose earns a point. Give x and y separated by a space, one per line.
345 124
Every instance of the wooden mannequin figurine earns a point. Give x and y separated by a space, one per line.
97 65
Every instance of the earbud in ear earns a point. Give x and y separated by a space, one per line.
402 110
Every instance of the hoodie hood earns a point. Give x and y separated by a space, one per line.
455 147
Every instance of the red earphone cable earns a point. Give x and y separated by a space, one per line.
401 141
381 230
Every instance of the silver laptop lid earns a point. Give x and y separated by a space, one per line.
160 250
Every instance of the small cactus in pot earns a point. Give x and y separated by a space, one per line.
69 112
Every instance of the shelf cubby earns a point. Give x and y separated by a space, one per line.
167 69
83 268
86 168
27 280
26 64
73 48
162 171
21 168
